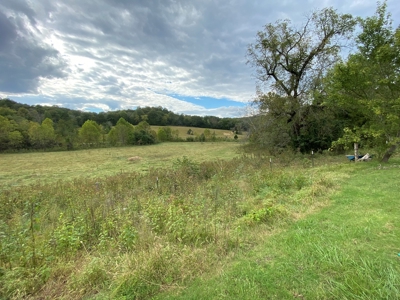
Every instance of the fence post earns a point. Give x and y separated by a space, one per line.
355 152
312 158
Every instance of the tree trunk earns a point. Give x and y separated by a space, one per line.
389 153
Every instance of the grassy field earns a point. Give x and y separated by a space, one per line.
213 225
219 133
27 168
348 250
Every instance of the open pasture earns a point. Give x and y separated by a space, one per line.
27 168
219 133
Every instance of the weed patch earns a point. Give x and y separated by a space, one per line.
347 250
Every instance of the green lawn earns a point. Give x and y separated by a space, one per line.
348 250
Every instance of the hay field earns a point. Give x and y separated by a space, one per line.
220 133
27 168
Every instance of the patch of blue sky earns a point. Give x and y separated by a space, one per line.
76 103
93 109
208 102
33 99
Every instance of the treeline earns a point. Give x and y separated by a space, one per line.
157 116
42 127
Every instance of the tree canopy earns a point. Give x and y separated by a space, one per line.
290 63
316 99
291 60
367 86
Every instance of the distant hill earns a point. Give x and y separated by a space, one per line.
26 127
157 116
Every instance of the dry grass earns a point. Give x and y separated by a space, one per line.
28 168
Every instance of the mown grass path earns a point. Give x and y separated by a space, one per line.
348 250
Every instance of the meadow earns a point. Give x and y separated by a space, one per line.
219 133
198 221
26 168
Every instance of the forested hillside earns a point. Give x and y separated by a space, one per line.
51 127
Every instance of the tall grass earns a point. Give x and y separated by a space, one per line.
348 249
133 235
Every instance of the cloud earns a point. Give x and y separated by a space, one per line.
24 59
117 54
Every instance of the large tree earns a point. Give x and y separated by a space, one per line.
8 130
367 86
90 133
121 134
42 136
290 63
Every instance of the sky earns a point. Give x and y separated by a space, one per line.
104 55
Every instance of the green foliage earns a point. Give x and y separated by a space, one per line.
202 138
128 237
67 134
90 133
358 101
292 58
164 134
187 165
258 216
121 134
143 134
366 86
10 137
68 236
16 139
42 136
207 134
291 62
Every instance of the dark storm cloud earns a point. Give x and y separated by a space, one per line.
24 58
8 32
